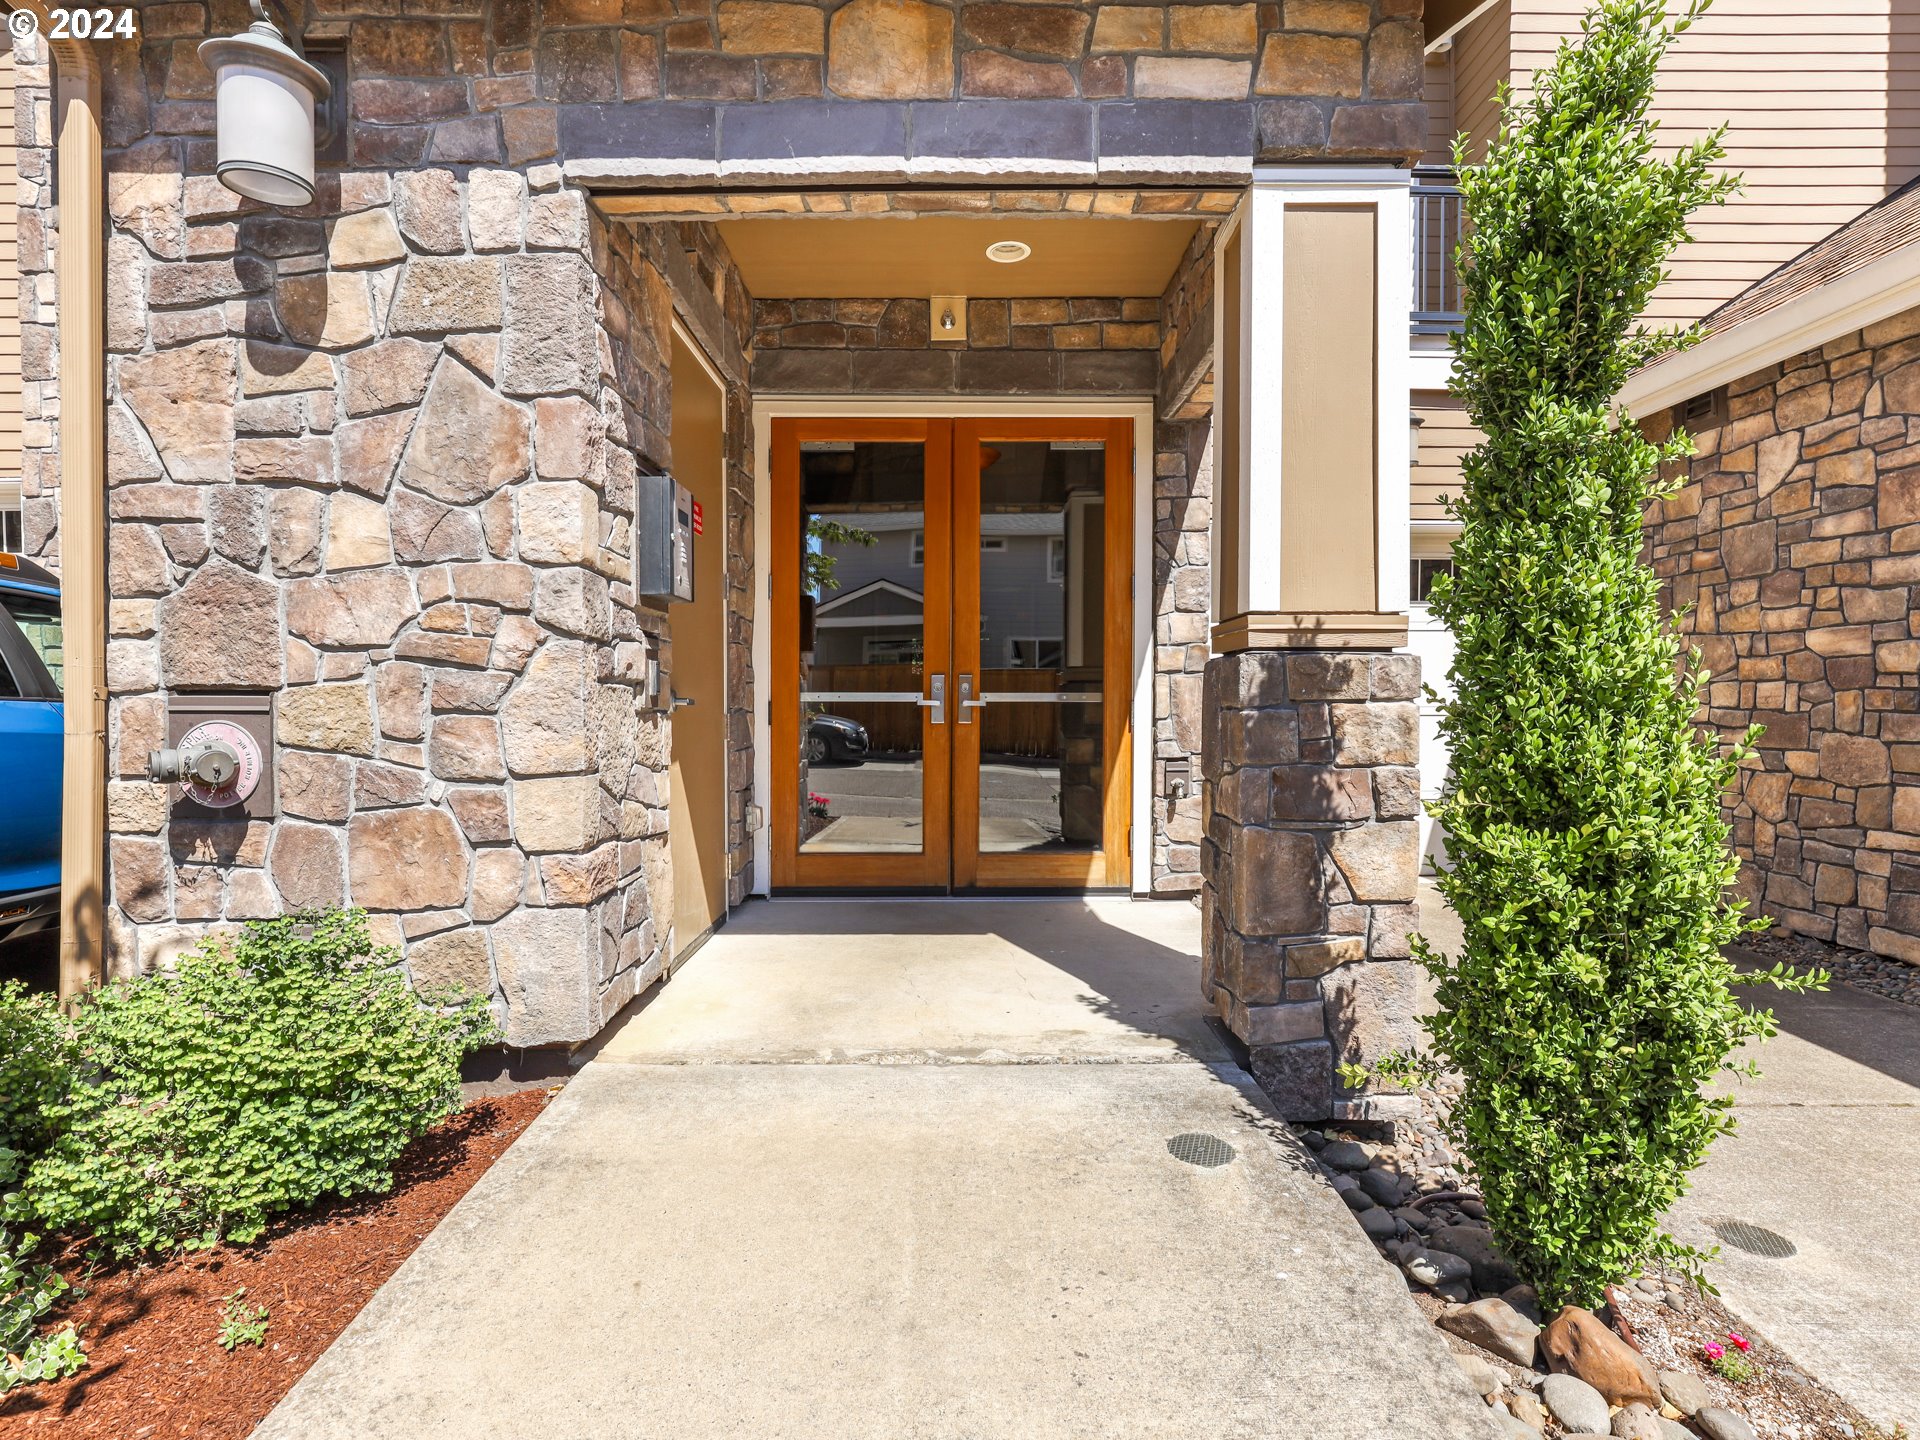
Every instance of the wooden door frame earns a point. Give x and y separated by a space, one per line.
1138 409
932 865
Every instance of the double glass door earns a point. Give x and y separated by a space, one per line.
952 653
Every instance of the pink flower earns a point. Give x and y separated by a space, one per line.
1740 1342
1714 1350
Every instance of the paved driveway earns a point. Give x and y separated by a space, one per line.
895 1170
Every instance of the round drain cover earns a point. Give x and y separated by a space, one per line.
1754 1239
1194 1148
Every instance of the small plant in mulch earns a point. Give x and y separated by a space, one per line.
817 805
1733 1365
241 1323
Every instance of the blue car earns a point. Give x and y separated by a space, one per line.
30 746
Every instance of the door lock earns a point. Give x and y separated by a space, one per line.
935 699
967 702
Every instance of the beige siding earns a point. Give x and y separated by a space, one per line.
1439 98
1445 436
1822 100
1482 63
9 279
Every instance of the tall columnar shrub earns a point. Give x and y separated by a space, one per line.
1589 1010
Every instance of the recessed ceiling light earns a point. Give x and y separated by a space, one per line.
1009 252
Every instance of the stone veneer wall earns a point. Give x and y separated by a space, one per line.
1795 546
513 82
1311 861
382 465
1182 561
1013 347
35 244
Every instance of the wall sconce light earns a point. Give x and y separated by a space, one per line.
1414 422
265 98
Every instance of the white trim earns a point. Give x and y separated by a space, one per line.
823 606
1429 369
1388 193
1436 43
1888 286
1139 410
1262 374
1393 391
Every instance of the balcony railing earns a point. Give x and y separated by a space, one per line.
1437 223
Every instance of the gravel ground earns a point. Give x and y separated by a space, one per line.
1876 974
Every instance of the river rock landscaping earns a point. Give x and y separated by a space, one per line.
1641 1369
157 1363
1883 975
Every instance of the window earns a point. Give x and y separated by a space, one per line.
1034 653
12 535
1056 558
1421 577
917 549
38 618
890 650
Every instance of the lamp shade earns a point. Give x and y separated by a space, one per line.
264 96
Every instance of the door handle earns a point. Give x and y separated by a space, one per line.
936 699
967 702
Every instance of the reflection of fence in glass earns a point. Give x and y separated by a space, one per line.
1031 730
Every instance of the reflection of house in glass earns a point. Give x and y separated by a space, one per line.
873 616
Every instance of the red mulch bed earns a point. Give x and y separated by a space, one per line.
153 1367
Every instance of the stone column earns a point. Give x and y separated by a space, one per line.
1311 856
1310 864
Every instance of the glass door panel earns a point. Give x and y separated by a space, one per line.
1040 633
862 628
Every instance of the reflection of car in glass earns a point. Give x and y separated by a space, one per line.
834 737
30 746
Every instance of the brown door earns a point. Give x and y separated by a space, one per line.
697 784
951 606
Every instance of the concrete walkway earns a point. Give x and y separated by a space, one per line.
1827 1156
899 1170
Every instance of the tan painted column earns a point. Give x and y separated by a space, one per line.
79 273
1311 317
1310 748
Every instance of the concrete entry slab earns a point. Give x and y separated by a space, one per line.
1015 980
717 1230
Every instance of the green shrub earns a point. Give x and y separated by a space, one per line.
265 1071
36 1060
1589 1011
28 1291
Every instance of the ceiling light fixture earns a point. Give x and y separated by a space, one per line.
1009 252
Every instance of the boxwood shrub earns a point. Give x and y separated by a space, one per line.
263 1072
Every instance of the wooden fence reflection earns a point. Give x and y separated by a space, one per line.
1018 729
